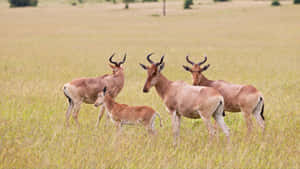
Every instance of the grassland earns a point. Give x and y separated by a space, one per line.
246 42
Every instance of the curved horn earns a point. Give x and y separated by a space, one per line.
124 58
205 59
148 58
110 59
161 60
188 60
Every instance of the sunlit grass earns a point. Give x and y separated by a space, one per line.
43 48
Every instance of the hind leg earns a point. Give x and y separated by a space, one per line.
220 121
210 127
69 111
151 126
247 117
76 112
259 119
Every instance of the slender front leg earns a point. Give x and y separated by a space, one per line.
102 110
176 127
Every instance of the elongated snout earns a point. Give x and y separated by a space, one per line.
97 104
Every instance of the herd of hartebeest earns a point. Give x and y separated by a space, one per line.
204 99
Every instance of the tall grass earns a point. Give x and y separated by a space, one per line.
43 48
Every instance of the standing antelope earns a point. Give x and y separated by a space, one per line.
182 99
85 90
121 114
238 98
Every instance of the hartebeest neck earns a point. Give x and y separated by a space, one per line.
205 82
162 86
109 102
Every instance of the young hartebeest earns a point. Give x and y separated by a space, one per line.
121 114
182 99
238 98
85 90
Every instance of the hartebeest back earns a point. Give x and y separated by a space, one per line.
238 98
85 90
121 114
182 99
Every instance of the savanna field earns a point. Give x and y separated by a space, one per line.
247 42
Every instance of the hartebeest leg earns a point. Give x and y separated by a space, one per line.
220 120
176 127
76 112
69 111
102 110
208 124
248 120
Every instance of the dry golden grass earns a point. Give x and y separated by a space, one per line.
246 42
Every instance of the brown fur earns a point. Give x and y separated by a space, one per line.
182 99
237 98
85 90
123 114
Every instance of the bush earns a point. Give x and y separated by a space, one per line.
21 3
221 0
149 0
275 3
296 1
187 4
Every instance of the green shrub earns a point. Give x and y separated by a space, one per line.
296 1
187 4
275 3
221 0
149 0
21 3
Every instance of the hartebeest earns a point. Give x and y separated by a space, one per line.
121 114
238 98
182 99
85 90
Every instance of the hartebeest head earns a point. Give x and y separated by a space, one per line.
153 72
116 65
196 70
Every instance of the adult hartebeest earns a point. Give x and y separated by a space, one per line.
238 98
121 114
182 99
85 90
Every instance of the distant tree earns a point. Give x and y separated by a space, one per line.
127 3
296 1
22 3
275 3
221 0
187 4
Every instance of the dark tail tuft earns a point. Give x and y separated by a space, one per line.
223 114
67 96
262 112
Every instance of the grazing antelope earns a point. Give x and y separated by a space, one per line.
182 99
85 90
238 98
121 114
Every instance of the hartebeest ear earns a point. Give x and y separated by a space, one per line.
104 90
205 67
161 67
143 66
186 68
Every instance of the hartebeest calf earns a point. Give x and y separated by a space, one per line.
85 90
238 98
182 99
121 114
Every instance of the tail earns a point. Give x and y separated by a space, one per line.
158 115
220 109
67 94
260 107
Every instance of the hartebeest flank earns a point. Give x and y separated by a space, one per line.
182 99
121 114
85 90
238 98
